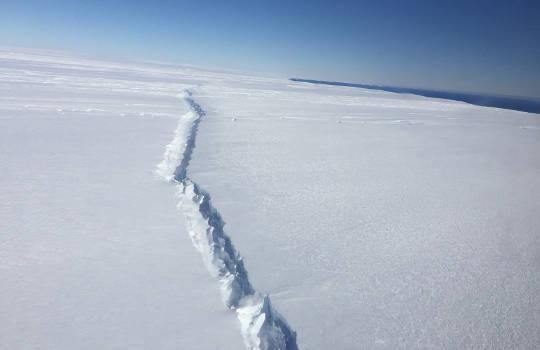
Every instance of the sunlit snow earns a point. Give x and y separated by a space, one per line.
371 220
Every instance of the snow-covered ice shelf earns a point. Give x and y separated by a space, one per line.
372 220
379 220
93 252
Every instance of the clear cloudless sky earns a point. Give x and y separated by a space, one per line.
472 46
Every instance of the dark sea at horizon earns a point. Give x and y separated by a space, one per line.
507 102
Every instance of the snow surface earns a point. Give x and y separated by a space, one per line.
370 219
378 220
93 253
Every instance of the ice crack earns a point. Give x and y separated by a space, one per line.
261 325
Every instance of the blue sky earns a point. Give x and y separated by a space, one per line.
476 46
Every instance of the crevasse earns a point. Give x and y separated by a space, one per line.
262 327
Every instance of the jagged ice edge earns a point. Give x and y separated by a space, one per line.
262 327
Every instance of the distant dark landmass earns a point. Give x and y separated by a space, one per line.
514 103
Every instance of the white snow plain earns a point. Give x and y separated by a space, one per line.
372 220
